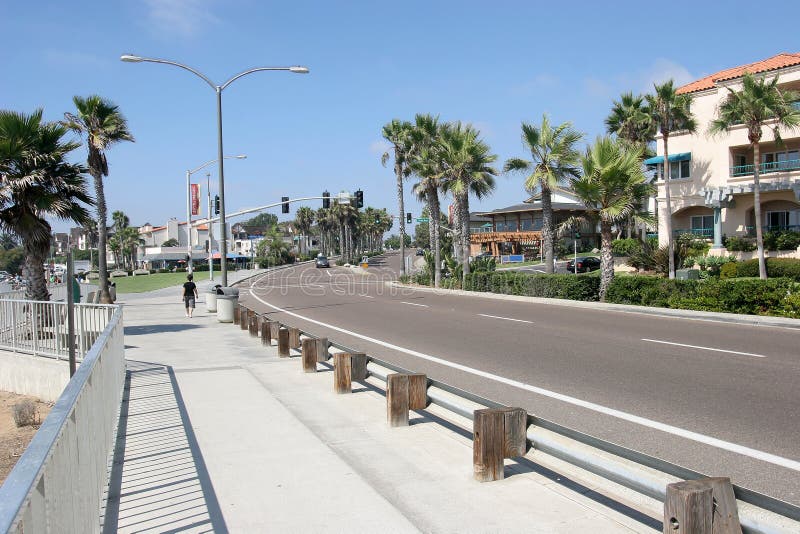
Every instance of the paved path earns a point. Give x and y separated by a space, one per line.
219 434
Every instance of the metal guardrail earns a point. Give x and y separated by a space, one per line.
57 484
587 452
57 292
40 327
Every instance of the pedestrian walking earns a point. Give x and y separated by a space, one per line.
189 295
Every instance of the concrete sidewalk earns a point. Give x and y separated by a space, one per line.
218 434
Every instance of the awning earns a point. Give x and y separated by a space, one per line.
684 156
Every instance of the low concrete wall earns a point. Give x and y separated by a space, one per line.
744 256
44 378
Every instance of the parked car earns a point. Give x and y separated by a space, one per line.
322 261
585 264
420 252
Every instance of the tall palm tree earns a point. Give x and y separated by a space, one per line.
119 221
304 220
630 120
554 160
103 125
37 182
398 134
670 112
611 187
758 102
426 164
467 168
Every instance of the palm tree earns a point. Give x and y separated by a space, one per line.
758 102
119 221
426 164
554 160
466 162
304 220
611 188
630 120
38 182
398 134
103 125
670 112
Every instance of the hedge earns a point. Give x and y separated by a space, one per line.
776 268
648 290
559 286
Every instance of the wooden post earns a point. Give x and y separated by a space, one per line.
266 331
397 399
726 513
497 434
283 343
689 508
236 312
322 349
417 391
275 327
294 338
358 366
253 324
310 355
342 373
244 317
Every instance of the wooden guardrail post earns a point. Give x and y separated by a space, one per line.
236 313
309 355
266 331
322 349
294 338
348 368
244 317
405 392
275 327
702 506
283 342
497 434
254 324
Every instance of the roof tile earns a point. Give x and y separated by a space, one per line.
779 61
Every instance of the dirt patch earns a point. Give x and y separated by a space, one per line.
13 440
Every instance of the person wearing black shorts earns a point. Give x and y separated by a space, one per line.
189 295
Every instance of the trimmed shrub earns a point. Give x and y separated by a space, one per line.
560 286
739 244
626 247
753 297
728 270
648 290
776 268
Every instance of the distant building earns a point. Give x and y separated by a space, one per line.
60 243
152 253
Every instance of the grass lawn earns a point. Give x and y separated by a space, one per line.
514 265
149 282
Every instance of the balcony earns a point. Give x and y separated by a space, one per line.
766 168
699 232
751 230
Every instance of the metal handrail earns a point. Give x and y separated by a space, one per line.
766 168
632 481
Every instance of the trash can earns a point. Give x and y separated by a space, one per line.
227 300
211 298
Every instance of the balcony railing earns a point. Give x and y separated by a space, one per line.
766 168
751 230
703 232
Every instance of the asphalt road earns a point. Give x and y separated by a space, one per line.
716 397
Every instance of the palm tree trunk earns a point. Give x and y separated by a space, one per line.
33 269
463 207
457 244
762 263
102 238
668 205
606 259
433 201
398 170
547 228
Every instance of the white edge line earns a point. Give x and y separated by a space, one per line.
669 429
703 348
415 304
505 318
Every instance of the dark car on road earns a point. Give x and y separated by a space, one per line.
585 264
322 261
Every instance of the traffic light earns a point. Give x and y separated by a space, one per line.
216 204
408 218
326 200
359 199
285 205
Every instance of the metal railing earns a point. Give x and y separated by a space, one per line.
751 230
40 327
57 292
766 168
632 469
57 484
703 232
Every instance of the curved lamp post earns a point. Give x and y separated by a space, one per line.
189 206
218 90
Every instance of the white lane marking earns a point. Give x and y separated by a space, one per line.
505 318
414 304
367 296
704 348
329 274
677 431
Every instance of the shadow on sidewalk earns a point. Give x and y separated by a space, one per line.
144 330
158 480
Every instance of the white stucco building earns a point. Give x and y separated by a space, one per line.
712 176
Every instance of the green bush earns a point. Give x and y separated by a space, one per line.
739 244
162 271
787 241
728 270
581 287
647 290
776 268
752 296
626 247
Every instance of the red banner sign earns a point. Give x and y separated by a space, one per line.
195 199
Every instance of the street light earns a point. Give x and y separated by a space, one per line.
189 204
130 58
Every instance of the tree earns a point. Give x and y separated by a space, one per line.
263 220
611 188
426 164
119 221
304 220
759 101
272 249
466 168
12 259
393 241
398 134
171 242
8 241
670 112
38 182
103 125
630 120
554 161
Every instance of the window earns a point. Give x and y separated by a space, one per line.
779 161
702 222
526 224
678 170
739 160
777 219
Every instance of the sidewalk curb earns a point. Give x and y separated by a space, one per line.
733 318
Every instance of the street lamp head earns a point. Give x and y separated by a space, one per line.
130 58
298 69
241 156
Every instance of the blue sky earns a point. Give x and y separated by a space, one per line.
493 64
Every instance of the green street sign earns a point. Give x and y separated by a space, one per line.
423 219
